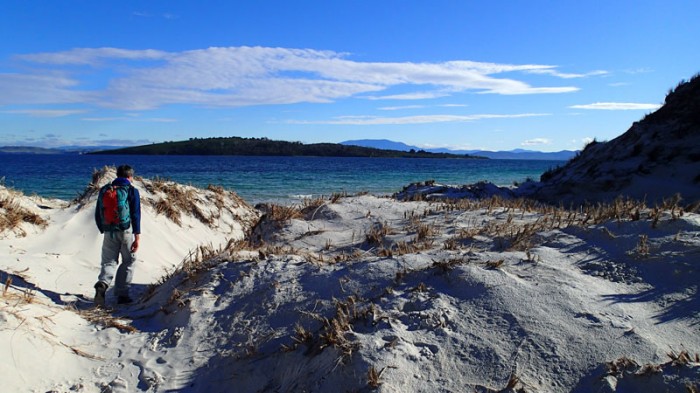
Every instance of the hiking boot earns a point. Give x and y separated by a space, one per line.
124 300
100 289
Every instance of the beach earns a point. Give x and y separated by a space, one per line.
354 292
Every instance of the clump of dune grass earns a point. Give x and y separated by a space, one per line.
193 264
104 318
13 215
374 376
176 199
334 330
94 187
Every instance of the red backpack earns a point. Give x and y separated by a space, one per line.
113 205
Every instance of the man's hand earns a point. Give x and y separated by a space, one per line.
135 244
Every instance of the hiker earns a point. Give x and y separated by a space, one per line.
118 216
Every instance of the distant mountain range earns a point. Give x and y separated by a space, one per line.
380 144
57 150
517 154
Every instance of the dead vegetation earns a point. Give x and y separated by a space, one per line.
174 199
13 215
625 367
333 331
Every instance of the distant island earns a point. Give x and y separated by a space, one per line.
237 146
517 154
28 150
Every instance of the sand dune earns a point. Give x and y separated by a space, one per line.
358 293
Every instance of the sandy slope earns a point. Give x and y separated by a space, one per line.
47 269
363 294
655 159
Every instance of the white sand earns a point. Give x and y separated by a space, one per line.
318 307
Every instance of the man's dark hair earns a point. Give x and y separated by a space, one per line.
125 171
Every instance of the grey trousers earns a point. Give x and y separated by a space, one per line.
113 245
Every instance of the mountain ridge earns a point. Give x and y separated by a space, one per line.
515 154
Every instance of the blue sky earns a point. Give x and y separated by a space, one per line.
496 75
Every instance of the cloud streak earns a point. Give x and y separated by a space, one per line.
537 142
425 119
45 112
617 106
243 76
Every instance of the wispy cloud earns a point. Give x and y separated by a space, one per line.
45 112
131 118
537 142
372 120
410 96
553 72
142 14
397 108
403 107
240 76
617 106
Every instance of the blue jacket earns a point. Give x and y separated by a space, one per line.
134 200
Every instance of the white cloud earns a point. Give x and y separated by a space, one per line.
372 120
129 118
396 108
453 105
410 96
92 56
617 106
564 75
537 142
240 76
45 112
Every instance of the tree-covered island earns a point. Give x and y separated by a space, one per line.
237 146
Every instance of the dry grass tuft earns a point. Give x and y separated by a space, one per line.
334 330
173 200
377 233
282 214
494 264
13 215
447 266
374 376
94 187
618 366
169 210
103 318
682 358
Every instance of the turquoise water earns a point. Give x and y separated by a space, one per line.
264 179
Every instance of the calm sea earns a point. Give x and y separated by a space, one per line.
263 179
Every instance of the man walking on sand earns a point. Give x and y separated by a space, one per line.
118 216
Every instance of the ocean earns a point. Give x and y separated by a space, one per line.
263 179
